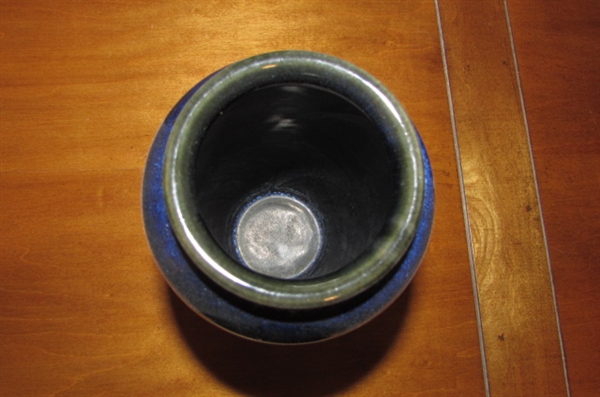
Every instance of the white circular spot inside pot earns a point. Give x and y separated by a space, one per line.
278 236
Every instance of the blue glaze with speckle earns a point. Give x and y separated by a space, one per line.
251 320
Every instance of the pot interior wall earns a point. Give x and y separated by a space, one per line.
305 143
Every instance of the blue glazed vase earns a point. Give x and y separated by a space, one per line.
288 198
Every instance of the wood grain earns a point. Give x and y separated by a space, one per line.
520 331
558 49
84 310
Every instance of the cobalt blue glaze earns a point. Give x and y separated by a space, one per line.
252 320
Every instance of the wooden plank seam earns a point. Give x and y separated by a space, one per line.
506 299
537 191
464 204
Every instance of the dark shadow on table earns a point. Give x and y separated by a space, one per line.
305 370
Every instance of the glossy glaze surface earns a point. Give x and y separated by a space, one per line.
263 323
211 98
308 143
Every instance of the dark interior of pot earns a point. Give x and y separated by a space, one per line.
294 181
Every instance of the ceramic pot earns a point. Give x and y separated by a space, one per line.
288 198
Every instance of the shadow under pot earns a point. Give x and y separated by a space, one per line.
288 198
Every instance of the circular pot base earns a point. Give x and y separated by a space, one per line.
277 236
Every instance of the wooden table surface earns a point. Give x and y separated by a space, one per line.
506 95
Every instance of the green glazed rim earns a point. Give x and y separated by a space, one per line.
304 68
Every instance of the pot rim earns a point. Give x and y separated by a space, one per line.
300 67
